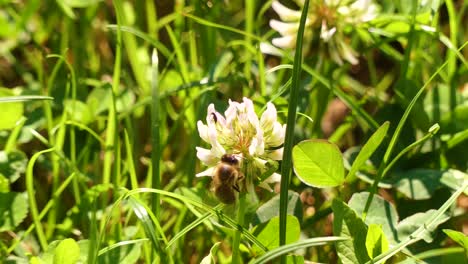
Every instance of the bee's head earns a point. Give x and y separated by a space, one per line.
230 159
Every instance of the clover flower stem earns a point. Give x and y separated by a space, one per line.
240 221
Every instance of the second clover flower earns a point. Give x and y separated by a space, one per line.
327 19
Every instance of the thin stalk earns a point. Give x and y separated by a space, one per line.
452 59
155 136
432 131
240 221
249 20
289 140
44 211
11 142
32 199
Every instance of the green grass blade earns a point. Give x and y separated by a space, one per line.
32 198
280 251
289 139
155 129
24 98
229 221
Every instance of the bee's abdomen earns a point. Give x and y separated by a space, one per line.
225 194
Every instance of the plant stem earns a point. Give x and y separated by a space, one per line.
240 222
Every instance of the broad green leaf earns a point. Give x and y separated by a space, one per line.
368 149
124 101
11 111
347 224
380 212
84 250
67 252
318 163
13 210
376 242
12 164
410 224
417 184
210 259
458 237
270 209
99 99
78 111
267 233
454 179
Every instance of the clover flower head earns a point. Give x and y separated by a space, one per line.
241 133
328 19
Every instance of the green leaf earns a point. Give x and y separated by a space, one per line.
347 224
13 210
12 164
270 209
67 252
368 149
78 111
380 212
454 179
210 259
99 99
376 242
458 237
410 224
11 111
267 233
4 184
318 163
418 184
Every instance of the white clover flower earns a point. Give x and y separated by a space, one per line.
328 19
241 133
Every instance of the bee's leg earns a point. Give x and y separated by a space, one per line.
236 187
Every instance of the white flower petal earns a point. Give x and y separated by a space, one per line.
207 157
203 131
213 117
275 177
285 29
257 146
286 42
265 186
251 115
276 154
268 118
276 136
285 13
348 53
325 33
208 172
269 49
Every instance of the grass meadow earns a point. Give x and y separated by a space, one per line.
234 131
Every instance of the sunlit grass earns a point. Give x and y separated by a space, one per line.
99 104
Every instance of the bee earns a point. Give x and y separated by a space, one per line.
226 178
